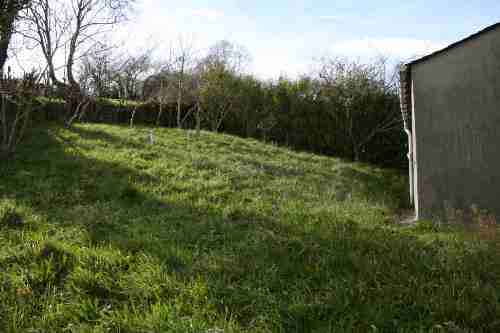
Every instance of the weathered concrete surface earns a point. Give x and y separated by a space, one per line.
457 128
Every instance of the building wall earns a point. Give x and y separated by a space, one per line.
457 128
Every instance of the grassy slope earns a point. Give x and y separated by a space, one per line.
100 231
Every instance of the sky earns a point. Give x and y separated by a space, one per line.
287 37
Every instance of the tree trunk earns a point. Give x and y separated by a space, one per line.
198 118
179 105
133 117
3 112
8 14
9 10
179 95
74 100
356 154
158 119
4 47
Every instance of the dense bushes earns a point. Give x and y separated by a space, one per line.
113 112
348 110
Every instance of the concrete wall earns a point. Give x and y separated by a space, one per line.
457 128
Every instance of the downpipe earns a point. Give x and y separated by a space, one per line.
410 162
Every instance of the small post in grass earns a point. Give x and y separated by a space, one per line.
151 138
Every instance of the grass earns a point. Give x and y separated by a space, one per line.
102 232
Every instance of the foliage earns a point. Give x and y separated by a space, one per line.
364 106
219 90
222 234
348 110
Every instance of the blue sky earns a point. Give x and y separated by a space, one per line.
285 36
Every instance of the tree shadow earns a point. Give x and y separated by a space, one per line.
265 271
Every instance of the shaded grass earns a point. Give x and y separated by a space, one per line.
101 231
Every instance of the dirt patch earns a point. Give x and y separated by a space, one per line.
407 218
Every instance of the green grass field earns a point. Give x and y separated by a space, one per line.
102 232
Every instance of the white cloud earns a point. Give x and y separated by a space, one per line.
272 66
398 48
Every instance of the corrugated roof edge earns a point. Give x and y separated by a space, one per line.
456 44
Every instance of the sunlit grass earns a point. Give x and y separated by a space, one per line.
101 231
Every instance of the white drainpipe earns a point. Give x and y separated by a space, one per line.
410 149
410 160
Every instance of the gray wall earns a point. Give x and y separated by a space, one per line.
457 127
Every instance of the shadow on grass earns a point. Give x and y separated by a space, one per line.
334 276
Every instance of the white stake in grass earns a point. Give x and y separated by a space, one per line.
151 138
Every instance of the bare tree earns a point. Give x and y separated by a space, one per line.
95 73
217 95
74 25
174 81
15 97
17 104
162 96
197 97
362 98
220 79
128 72
182 60
233 57
47 24
105 74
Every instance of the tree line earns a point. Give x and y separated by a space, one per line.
342 108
